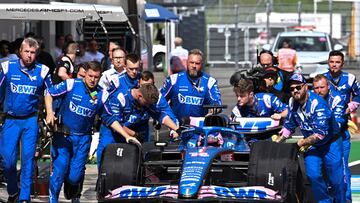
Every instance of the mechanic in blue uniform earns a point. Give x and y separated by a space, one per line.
349 89
322 140
22 81
190 90
71 144
126 80
130 77
256 105
127 107
132 109
321 86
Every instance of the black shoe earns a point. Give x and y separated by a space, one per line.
72 191
13 199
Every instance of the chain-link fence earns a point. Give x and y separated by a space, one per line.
236 30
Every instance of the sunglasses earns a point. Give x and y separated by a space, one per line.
298 88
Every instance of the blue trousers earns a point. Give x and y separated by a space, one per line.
346 147
69 156
13 131
329 156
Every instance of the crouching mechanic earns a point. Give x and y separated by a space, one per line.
22 81
322 140
72 144
132 109
322 87
256 105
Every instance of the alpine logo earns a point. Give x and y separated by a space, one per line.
23 89
190 100
80 110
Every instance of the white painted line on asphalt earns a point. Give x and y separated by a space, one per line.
354 163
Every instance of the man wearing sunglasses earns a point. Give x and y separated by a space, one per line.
322 140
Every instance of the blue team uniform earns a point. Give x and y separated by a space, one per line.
188 96
315 117
159 111
122 107
70 151
337 106
348 86
123 81
107 135
265 105
21 88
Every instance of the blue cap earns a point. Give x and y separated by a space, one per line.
297 77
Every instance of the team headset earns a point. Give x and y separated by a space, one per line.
274 59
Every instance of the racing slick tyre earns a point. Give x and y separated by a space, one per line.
275 166
120 165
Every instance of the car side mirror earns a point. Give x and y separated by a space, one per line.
338 47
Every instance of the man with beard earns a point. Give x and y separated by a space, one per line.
322 140
190 90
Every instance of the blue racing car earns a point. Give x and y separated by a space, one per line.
215 161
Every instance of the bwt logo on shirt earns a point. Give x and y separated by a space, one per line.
190 100
23 89
80 110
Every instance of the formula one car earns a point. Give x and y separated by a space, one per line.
212 163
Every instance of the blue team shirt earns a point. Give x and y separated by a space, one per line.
338 107
188 96
78 108
265 105
123 81
347 85
314 117
21 87
122 107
